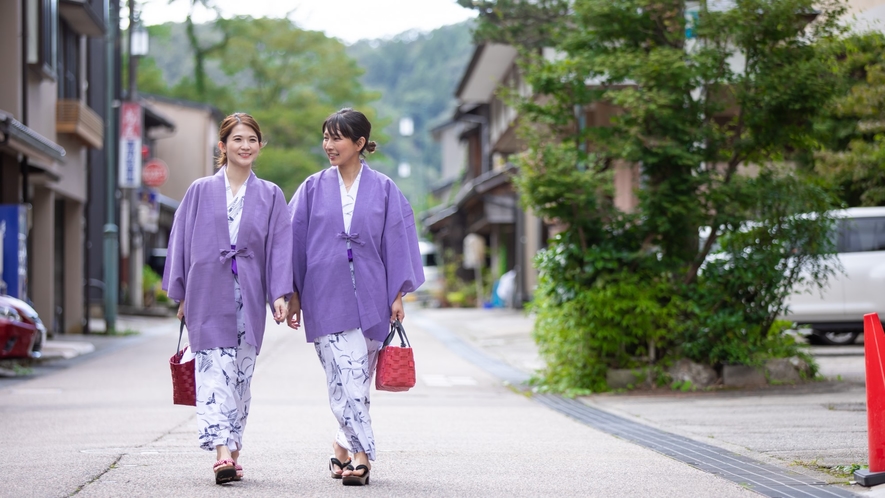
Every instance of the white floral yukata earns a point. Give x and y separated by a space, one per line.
224 375
349 360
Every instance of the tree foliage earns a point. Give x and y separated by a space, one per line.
202 47
853 128
525 23
281 75
710 107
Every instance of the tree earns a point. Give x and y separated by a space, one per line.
291 80
853 128
203 47
711 105
281 75
529 24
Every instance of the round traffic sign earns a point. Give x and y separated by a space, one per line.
155 173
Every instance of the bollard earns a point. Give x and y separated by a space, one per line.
874 356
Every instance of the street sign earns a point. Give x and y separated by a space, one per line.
130 145
155 173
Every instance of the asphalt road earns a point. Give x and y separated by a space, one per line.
103 426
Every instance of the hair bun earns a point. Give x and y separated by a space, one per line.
371 146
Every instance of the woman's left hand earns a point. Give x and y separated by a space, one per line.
396 309
279 310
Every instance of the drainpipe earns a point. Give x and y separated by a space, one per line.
111 242
23 162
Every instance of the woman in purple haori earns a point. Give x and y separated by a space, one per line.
354 258
230 253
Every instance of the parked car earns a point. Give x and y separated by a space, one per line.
835 314
22 333
430 293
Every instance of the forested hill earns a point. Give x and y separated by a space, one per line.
416 75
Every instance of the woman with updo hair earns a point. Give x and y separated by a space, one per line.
355 256
230 253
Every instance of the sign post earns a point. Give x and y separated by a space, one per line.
129 179
130 145
155 173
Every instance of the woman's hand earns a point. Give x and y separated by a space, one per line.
293 317
181 310
396 309
279 309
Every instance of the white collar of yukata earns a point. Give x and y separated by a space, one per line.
355 180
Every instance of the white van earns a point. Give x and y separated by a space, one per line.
835 314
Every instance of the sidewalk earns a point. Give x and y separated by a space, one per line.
67 349
818 429
129 327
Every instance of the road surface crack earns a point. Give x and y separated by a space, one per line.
99 476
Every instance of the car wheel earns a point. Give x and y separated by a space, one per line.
836 338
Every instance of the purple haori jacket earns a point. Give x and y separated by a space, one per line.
198 261
386 259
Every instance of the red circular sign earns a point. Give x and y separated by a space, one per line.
155 173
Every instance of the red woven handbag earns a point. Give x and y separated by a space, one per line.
184 383
396 365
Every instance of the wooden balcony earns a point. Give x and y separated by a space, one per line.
76 118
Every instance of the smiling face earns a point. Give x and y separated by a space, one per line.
341 150
241 146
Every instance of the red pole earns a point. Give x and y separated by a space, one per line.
874 355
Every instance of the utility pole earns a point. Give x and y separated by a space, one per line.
136 251
133 86
111 242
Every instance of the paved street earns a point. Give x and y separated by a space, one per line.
105 426
102 424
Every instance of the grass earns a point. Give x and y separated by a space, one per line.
846 470
20 369
518 390
15 367
122 333
839 471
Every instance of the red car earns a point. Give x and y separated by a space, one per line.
22 333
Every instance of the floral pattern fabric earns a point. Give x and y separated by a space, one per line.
224 381
349 360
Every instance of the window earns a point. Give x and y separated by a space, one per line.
68 62
42 30
862 235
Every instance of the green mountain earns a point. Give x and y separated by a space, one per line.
417 75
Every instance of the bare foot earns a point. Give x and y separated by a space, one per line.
235 455
222 452
342 456
358 459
